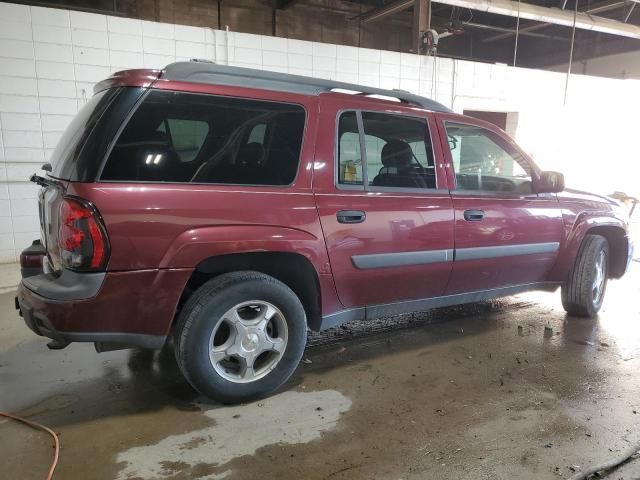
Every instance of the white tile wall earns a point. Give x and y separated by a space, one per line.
51 58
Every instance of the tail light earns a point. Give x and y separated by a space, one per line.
82 237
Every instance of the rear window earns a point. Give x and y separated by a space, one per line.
73 139
193 138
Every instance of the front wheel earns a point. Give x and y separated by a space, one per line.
240 336
583 292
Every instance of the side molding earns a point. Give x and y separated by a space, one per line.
401 259
478 253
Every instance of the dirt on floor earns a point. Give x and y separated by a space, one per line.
512 389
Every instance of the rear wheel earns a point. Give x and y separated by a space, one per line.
240 336
583 292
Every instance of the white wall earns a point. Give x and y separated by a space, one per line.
50 59
619 65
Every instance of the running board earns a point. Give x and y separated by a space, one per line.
371 312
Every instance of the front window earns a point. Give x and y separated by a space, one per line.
485 162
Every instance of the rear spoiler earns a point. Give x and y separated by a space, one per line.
128 78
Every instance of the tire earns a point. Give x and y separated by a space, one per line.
581 296
240 336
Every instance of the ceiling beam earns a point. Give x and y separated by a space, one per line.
511 31
389 9
539 26
527 11
284 4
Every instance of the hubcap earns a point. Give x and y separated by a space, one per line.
248 341
600 277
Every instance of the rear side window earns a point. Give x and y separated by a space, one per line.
397 148
74 136
194 138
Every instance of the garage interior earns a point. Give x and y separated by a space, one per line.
506 389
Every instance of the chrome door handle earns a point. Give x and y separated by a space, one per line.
473 215
351 216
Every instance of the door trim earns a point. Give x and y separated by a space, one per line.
423 257
499 251
401 259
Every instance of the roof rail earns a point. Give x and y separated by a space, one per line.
208 72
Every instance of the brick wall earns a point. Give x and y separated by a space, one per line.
51 58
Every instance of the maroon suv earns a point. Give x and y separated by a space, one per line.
231 209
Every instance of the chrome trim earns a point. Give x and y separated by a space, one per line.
477 253
400 259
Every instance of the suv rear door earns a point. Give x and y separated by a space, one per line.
388 228
506 235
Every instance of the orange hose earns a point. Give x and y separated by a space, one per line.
41 427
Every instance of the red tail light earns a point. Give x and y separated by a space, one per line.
82 238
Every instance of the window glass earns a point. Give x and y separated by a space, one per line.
187 137
483 161
349 154
257 134
71 141
399 151
184 137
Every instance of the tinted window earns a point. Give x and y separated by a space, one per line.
485 162
398 151
183 137
72 140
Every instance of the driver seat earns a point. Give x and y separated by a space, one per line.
396 159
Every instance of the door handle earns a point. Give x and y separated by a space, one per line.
351 216
473 215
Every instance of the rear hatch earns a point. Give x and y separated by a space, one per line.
78 158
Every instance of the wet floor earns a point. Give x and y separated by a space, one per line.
476 392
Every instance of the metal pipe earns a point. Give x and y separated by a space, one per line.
509 31
573 37
515 47
626 18
539 26
555 16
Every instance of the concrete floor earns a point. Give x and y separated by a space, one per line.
475 392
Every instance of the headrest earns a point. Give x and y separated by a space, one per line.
158 138
396 153
251 155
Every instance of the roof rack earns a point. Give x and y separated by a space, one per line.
209 72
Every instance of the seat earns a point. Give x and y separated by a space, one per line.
249 164
396 159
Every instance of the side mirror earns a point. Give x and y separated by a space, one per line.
549 182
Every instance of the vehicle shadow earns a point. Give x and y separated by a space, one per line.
77 385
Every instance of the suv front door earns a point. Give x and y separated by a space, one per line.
506 235
383 202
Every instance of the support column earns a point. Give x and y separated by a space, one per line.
421 21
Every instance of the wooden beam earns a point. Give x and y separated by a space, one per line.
421 22
284 4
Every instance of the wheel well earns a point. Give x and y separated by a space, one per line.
618 245
292 269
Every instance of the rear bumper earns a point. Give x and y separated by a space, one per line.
132 309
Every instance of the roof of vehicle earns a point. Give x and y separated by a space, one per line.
212 73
